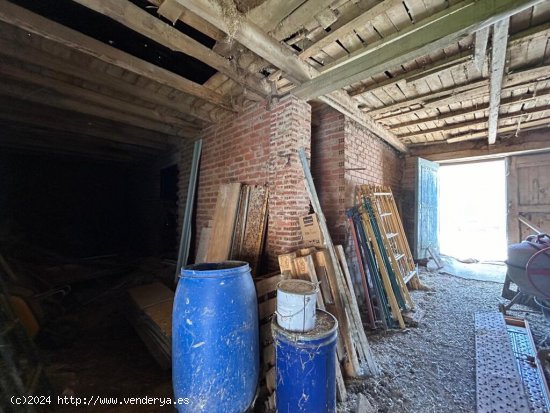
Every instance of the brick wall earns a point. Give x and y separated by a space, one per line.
258 146
345 154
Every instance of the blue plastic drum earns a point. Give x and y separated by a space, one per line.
306 367
215 339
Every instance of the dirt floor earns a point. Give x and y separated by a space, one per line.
431 368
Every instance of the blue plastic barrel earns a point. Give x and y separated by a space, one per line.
306 367
215 349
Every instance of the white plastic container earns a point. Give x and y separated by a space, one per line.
296 303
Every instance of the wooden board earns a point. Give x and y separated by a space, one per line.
224 222
250 247
204 240
528 189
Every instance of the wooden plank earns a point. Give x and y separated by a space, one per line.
498 60
530 225
255 39
305 269
286 264
437 31
360 21
267 285
352 365
477 123
517 127
413 75
482 37
192 20
470 110
532 141
33 23
62 95
121 89
299 17
72 103
204 241
224 222
267 308
254 230
270 13
137 19
351 314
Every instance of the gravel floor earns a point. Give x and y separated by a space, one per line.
431 368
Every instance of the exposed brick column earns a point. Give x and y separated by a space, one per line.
288 199
344 155
257 147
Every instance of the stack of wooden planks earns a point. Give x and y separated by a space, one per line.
383 256
150 313
266 290
339 299
238 226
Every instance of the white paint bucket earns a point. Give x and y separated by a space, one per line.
296 302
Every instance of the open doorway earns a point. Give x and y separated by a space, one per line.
472 214
473 210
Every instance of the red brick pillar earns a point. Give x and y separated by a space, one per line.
288 199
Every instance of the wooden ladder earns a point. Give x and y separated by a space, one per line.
391 226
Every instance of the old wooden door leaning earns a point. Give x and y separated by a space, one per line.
426 205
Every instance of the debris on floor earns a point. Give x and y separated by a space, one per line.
431 368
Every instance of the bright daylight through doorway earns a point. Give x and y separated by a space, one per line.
472 202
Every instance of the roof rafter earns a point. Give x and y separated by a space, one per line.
137 19
255 39
498 61
33 23
415 41
74 68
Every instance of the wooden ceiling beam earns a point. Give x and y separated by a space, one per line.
498 61
428 70
298 18
77 69
33 23
22 112
533 140
137 19
18 144
517 128
187 17
147 118
271 13
480 48
255 39
517 40
442 117
59 138
446 96
50 97
359 21
480 122
435 32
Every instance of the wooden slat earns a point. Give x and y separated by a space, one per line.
350 314
33 23
76 98
418 40
498 60
137 19
224 222
76 69
267 285
255 39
